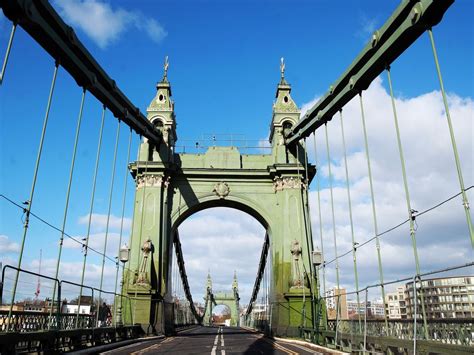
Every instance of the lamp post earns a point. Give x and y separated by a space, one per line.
124 255
317 260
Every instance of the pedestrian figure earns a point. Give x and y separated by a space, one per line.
104 313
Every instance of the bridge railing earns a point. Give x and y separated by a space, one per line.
362 326
34 315
201 144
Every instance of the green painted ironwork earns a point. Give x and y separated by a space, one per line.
260 274
374 210
66 206
29 203
7 53
354 247
407 23
41 21
453 139
319 214
111 192
124 198
91 209
411 215
336 257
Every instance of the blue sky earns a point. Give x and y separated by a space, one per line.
224 67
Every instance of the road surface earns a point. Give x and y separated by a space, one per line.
214 341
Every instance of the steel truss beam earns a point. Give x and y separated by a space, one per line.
261 270
45 26
409 21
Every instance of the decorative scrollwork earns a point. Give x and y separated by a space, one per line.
282 183
153 181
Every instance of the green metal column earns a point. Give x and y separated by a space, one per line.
453 141
374 212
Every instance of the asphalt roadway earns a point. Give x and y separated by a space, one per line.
214 341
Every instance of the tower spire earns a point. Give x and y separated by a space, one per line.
282 71
235 284
209 280
165 70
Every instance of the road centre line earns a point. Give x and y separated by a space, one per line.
153 347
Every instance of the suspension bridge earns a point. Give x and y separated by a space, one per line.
150 307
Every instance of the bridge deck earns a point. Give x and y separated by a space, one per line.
215 341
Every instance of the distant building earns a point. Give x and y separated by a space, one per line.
354 309
395 304
375 309
447 297
72 307
336 300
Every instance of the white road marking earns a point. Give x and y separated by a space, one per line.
214 348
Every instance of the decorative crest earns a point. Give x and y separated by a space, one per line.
221 189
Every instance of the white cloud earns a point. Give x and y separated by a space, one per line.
7 246
99 222
104 24
442 235
367 27
221 240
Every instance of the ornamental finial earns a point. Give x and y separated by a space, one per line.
165 67
282 68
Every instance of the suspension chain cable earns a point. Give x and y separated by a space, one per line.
91 209
411 215
29 203
124 198
319 212
354 244
7 53
453 139
111 192
374 213
332 206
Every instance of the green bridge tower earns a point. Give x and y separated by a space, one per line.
229 299
170 187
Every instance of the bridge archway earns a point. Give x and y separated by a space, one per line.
236 238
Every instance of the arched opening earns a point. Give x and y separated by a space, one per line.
225 245
221 315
